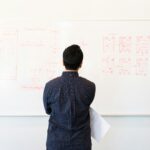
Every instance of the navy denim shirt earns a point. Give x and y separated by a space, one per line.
67 99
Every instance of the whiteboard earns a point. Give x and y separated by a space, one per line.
116 58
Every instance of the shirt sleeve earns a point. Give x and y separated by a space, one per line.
46 103
93 91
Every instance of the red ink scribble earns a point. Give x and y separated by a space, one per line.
109 44
108 65
124 49
125 44
141 66
142 45
8 54
124 67
32 87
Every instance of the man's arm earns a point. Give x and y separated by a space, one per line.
46 94
93 91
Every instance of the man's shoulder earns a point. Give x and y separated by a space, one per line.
89 86
87 81
54 81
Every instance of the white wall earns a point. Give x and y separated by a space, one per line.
76 9
29 133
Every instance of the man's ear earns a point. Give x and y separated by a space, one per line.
81 65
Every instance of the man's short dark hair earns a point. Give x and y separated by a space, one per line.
72 57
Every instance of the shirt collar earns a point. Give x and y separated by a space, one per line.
70 74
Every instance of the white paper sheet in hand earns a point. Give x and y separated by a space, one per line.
99 126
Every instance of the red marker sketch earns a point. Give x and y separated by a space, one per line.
142 45
124 66
8 54
38 57
108 65
109 44
119 54
125 44
141 67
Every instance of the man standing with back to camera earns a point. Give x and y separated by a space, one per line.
67 100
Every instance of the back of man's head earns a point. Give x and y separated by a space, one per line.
72 57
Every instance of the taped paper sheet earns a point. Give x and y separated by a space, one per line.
99 127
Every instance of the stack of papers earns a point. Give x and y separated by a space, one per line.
99 127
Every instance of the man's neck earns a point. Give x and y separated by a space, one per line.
71 70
